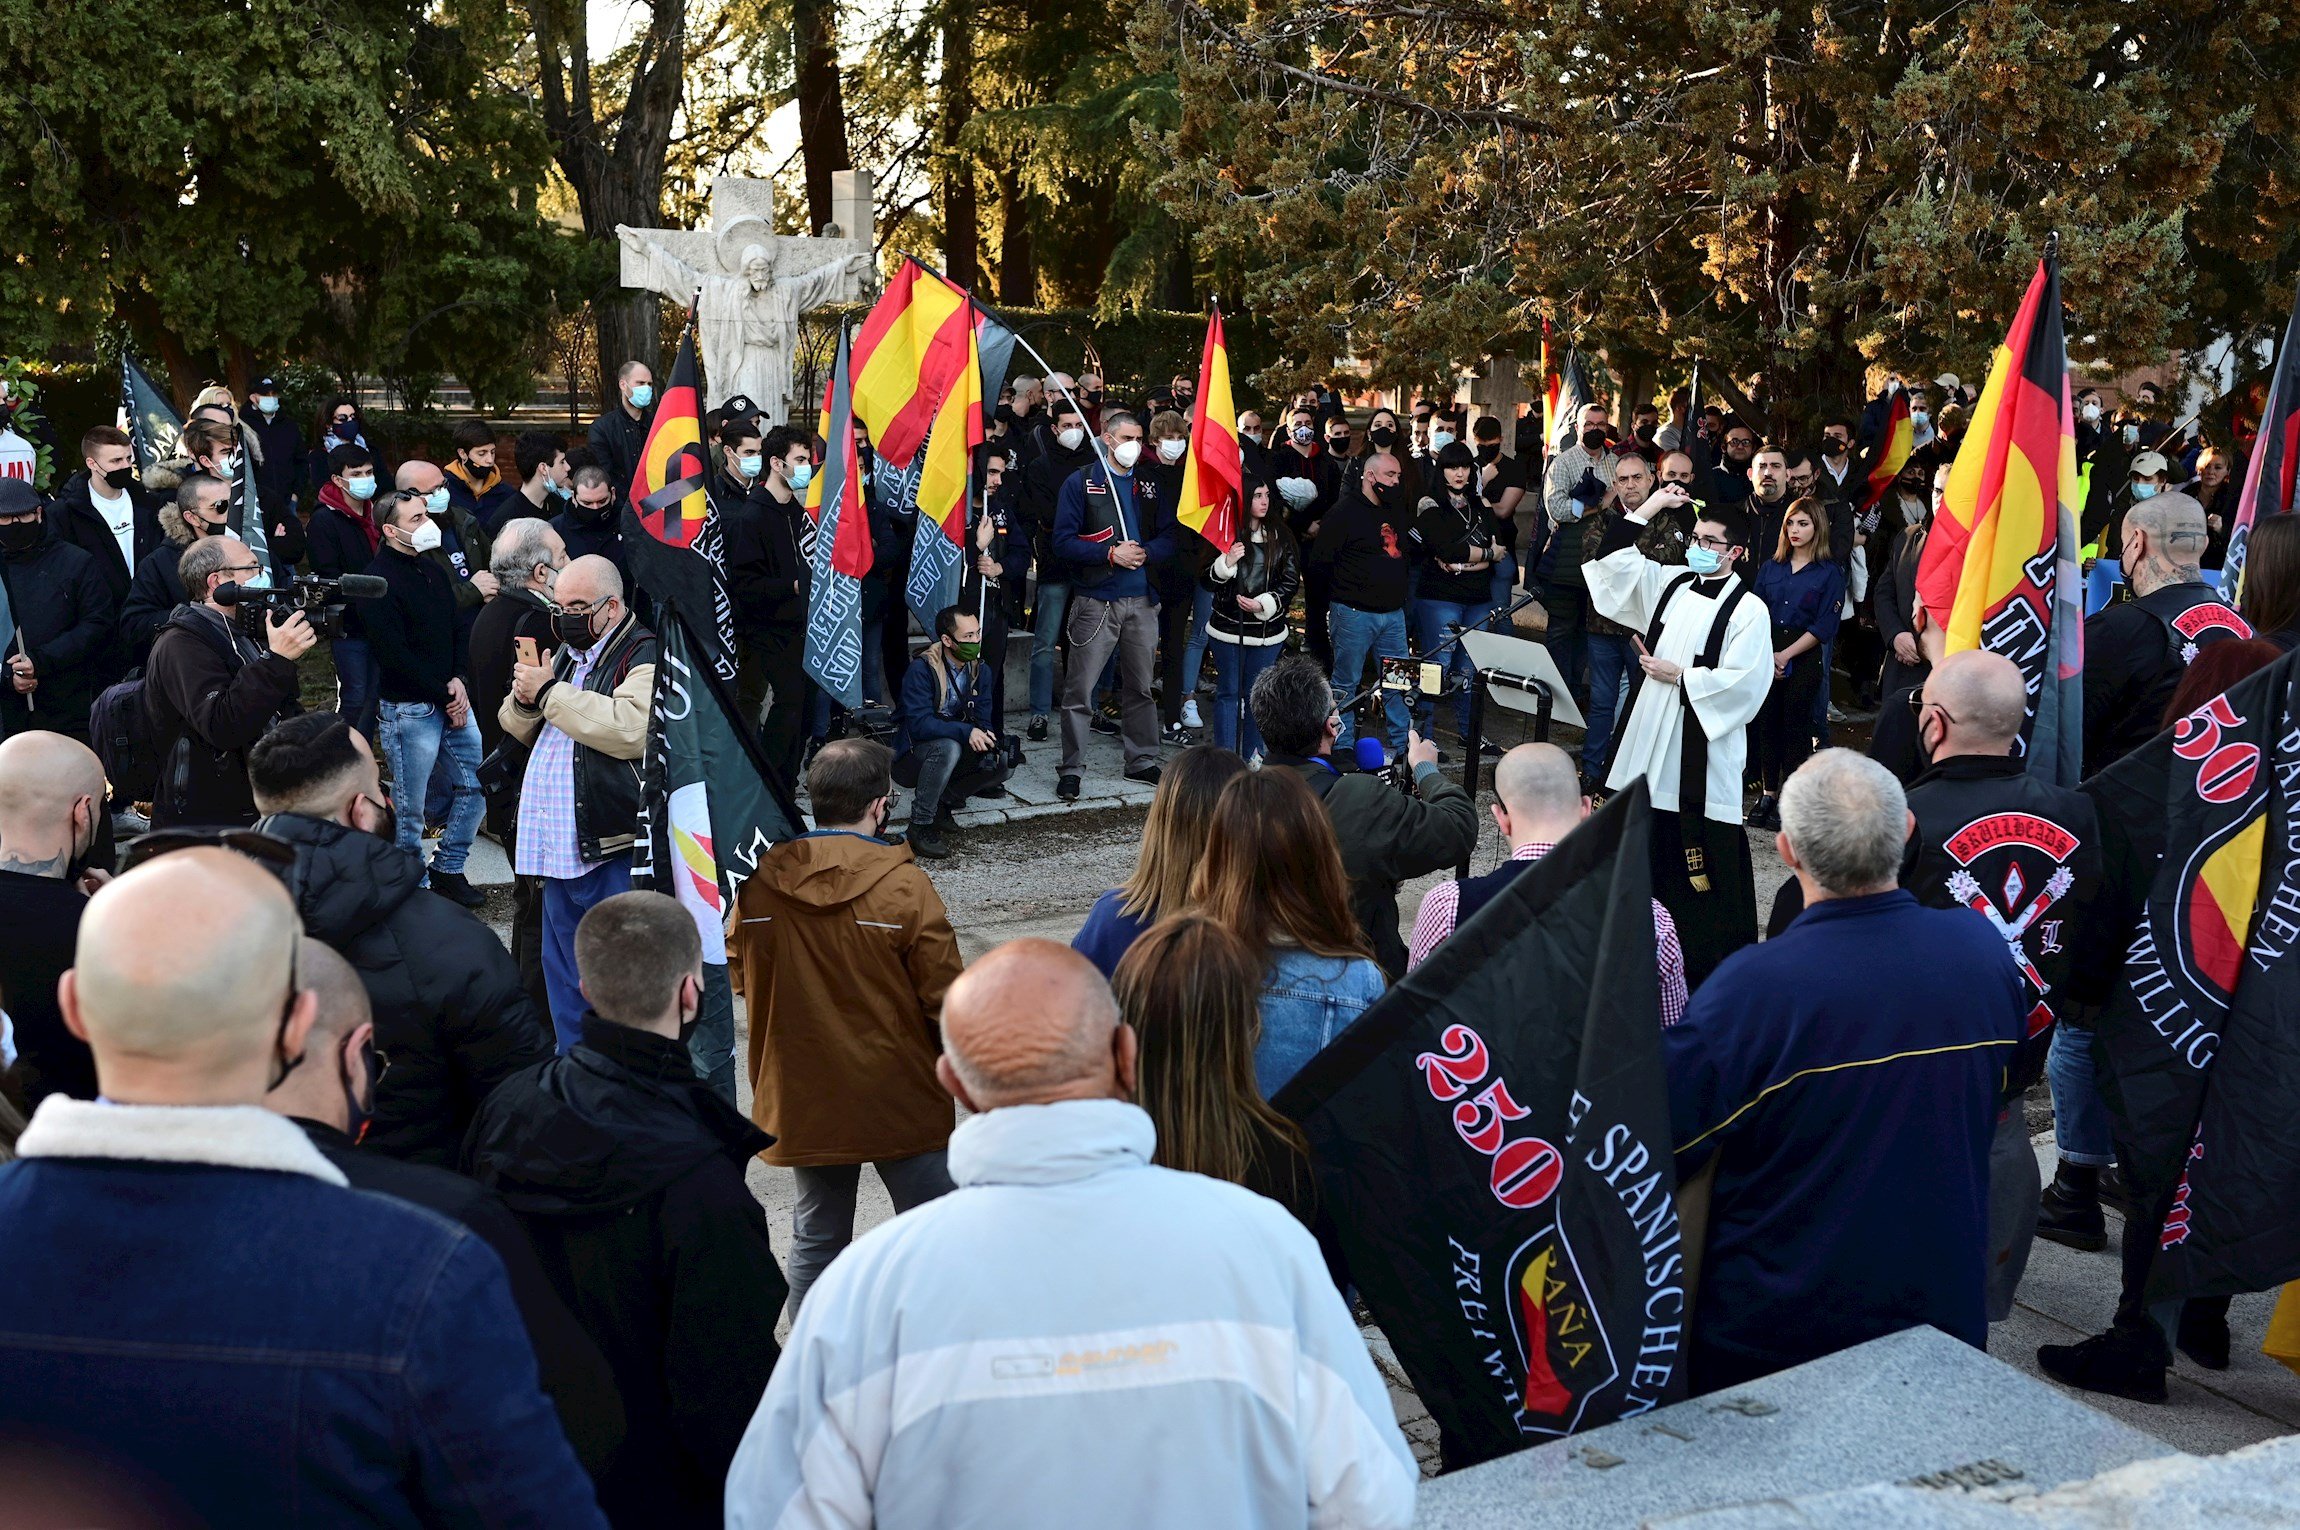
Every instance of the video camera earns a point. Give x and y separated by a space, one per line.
321 600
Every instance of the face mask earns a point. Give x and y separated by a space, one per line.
1487 454
227 465
1183 397
1704 560
1126 454
1593 440
1093 396
574 629
1337 444
22 536
2131 434
118 480
1919 418
801 476
2143 489
386 825
1440 440
563 490
1381 436
751 466
424 538
1304 435
1070 440
436 500
359 488
967 652
346 430
267 407
1170 452
642 396
2091 413
1645 431
1254 436
1832 447
211 528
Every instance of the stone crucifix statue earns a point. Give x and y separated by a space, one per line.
753 284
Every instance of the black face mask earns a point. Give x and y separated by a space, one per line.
1487 454
118 479
594 516
358 1106
1337 444
387 828
1645 432
1593 439
22 536
213 528
574 630
1832 447
1093 396
1381 436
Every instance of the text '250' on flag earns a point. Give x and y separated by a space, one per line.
709 805
1492 1138
671 531
908 354
1213 475
2201 826
2272 477
1999 566
842 552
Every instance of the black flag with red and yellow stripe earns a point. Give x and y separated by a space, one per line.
671 533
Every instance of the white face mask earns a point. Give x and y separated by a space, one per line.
1170 452
1126 453
2091 413
424 537
1070 440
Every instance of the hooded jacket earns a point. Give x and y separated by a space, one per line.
450 1011
1075 1337
846 952
627 1172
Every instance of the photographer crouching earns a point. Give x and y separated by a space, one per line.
946 741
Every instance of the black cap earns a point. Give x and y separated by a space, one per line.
17 496
265 385
740 407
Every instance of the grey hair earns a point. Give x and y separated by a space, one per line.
1847 818
203 560
519 546
1291 701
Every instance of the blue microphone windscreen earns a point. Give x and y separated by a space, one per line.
1370 755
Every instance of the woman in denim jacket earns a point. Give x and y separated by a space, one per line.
1273 874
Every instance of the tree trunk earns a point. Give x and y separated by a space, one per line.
1017 272
822 104
961 210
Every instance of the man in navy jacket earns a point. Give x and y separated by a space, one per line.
1110 527
946 736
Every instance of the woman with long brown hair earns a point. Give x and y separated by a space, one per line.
1173 838
1272 874
2271 599
1191 989
1804 592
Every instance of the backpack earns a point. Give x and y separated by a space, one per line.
120 728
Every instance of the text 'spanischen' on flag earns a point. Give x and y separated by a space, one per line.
709 803
1493 1139
945 479
1893 448
2273 474
1999 569
842 550
907 356
1212 473
2204 820
671 531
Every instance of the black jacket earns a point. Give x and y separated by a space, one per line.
1444 530
1272 567
573 1372
450 1012
2132 664
209 694
1388 837
417 637
41 918
587 537
280 473
765 574
338 545
627 1172
616 441
73 516
153 594
1315 464
514 614
1034 507
64 613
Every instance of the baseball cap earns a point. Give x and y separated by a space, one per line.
2151 465
265 385
1948 380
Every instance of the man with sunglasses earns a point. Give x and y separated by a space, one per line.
380 1372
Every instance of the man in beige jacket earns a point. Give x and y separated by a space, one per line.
582 712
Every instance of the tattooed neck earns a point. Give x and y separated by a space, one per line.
52 866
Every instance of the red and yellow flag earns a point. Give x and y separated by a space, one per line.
943 478
907 356
1213 475
1893 451
1549 386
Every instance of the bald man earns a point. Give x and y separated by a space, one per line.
2135 651
582 715
1540 802
465 550
1082 1337
51 815
379 1370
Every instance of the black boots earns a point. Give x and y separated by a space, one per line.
2123 1362
2069 1210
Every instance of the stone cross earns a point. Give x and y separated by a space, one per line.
755 283
1497 391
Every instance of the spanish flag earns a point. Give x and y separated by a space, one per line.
1213 475
907 356
1892 452
945 478
1549 392
1999 567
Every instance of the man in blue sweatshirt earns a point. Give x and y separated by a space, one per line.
946 736
1110 526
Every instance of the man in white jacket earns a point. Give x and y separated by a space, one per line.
1073 1336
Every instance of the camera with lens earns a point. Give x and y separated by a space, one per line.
1009 750
321 600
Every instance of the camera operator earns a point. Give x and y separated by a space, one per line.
210 691
946 739
58 649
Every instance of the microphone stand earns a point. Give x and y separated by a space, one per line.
1484 624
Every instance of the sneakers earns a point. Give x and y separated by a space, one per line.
1178 733
2203 1335
1146 774
453 886
1038 729
988 791
2121 1362
2069 1213
927 843
1190 718
1067 788
1101 723
944 818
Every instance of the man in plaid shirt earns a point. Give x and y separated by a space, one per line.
1540 804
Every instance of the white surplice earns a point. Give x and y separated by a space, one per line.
1625 586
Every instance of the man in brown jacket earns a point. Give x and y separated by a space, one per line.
847 952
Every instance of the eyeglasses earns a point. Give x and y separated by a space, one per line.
1917 705
256 845
1714 544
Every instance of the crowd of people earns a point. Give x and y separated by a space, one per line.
558 1300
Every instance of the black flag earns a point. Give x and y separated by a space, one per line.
145 413
1493 1140
2201 827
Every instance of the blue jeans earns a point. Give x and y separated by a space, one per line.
1358 636
1236 668
355 686
416 737
1610 660
1505 581
565 901
1194 653
712 1042
2079 1116
1431 618
1053 601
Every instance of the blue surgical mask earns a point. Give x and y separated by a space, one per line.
642 396
564 491
359 488
268 406
751 466
436 500
2143 489
1440 440
802 475
1704 560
